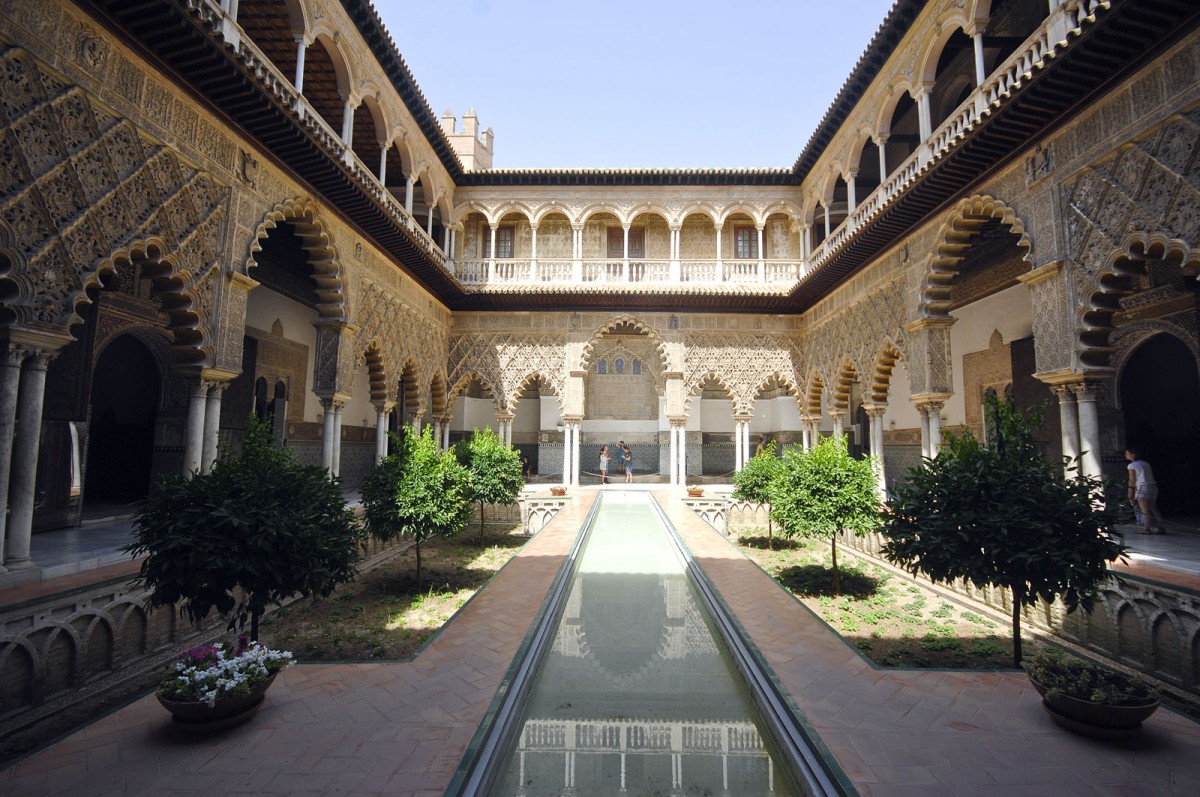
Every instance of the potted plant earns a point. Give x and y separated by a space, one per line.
558 490
694 491
1090 699
207 688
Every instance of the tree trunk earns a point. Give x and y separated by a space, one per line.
837 576
481 524
254 625
770 536
418 547
1018 595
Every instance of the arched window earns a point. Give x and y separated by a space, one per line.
619 366
602 367
637 367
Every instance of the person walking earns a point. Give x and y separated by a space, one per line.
604 465
627 456
1143 492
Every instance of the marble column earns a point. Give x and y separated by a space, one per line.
566 474
923 410
212 425
935 428
1068 417
381 424
446 434
10 378
327 432
683 454
839 422
31 396
875 414
193 446
1089 430
737 446
337 438
673 455
575 445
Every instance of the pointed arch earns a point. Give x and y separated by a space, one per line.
847 376
525 382
881 372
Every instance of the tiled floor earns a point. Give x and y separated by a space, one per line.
402 728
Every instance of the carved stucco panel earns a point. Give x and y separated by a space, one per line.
506 360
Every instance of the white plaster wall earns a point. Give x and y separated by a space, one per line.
473 413
1009 311
359 407
528 416
901 414
264 307
551 418
619 428
776 415
716 415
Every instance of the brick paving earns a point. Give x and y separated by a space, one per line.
401 728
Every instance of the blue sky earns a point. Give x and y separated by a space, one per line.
623 84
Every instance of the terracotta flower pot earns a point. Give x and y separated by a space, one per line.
558 491
695 492
226 712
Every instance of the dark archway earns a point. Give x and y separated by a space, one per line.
1160 399
125 397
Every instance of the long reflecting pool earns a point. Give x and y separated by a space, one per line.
637 695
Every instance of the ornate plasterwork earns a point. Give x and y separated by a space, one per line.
303 214
84 191
742 364
506 362
402 338
1142 202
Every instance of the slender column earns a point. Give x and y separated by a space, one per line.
491 266
446 242
875 414
923 113
577 256
804 432
575 443
935 428
212 425
193 447
625 255
762 256
851 192
682 454
673 455
924 413
1068 418
452 251
327 433
429 222
348 124
533 247
31 396
825 207
566 475
720 259
883 172
381 430
839 422
446 434
980 75
301 46
337 438
1089 429
10 379
737 446
383 165
408 194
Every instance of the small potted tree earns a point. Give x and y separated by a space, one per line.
494 470
253 532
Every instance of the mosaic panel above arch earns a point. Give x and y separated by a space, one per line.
742 363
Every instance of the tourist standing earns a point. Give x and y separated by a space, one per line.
604 465
627 456
1143 492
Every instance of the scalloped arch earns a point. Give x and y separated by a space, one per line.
968 216
585 357
304 215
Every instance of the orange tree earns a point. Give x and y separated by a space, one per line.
996 513
753 482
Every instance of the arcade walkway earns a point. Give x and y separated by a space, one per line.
401 728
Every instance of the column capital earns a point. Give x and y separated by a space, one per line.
929 322
875 410
937 400
1042 273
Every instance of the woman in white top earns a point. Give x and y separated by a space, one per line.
1143 492
604 465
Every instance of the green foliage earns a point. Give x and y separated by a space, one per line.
494 468
753 482
258 521
416 491
823 492
997 514
1066 675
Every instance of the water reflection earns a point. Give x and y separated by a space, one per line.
636 697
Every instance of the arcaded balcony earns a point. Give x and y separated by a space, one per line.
646 250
